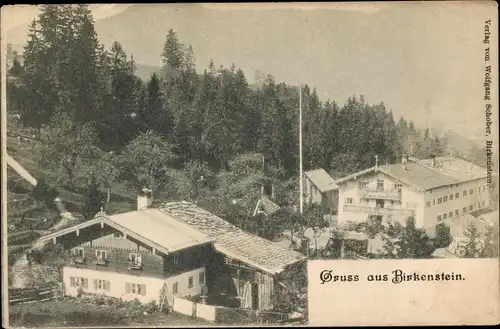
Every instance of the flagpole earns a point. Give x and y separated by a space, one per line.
301 186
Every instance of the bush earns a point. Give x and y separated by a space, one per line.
151 307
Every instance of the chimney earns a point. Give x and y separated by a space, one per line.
272 191
144 199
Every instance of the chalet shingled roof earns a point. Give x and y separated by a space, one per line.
267 206
149 226
459 169
233 241
321 179
423 175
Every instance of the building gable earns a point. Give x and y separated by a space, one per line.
321 179
151 227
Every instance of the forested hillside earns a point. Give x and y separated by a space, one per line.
98 123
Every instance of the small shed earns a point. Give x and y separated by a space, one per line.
320 188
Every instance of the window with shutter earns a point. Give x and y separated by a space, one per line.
101 254
72 281
78 252
107 285
85 283
136 259
133 288
100 285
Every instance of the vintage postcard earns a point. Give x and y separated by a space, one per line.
242 164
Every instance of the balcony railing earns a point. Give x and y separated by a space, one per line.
134 266
79 260
378 210
101 262
380 194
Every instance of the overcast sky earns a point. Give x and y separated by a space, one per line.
423 60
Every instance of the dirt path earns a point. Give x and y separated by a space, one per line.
20 269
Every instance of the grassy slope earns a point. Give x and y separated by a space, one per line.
24 212
72 313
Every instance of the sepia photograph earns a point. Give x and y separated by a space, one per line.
181 164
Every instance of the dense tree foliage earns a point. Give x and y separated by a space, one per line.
491 242
201 137
210 117
406 242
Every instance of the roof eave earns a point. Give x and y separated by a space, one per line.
109 222
271 271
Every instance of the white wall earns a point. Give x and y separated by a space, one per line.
476 200
413 199
183 287
410 198
118 283
349 190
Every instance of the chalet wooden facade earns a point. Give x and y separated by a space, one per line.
247 267
176 249
136 261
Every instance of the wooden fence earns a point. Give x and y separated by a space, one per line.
33 295
220 314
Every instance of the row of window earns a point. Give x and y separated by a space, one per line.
409 205
130 288
380 185
390 202
452 196
456 185
451 214
99 285
134 258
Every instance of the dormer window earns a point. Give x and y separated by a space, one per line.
135 261
101 254
78 255
79 252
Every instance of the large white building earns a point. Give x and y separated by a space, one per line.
432 191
